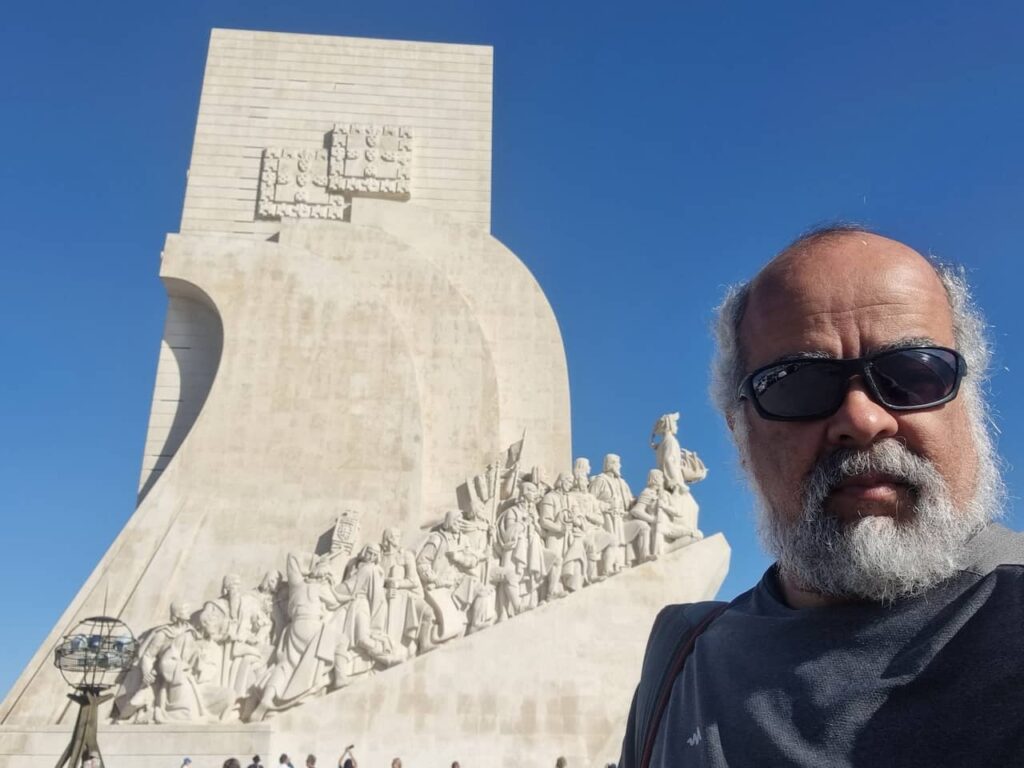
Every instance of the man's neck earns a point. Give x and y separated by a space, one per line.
799 598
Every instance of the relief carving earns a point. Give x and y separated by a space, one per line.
515 544
357 160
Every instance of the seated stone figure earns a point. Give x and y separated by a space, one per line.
654 506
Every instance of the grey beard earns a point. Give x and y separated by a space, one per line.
877 558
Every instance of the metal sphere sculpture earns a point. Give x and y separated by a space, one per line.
90 659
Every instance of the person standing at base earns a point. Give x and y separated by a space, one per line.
285 761
255 762
850 372
310 761
348 758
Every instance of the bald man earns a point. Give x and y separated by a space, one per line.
850 372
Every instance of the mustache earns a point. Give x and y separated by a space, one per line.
890 458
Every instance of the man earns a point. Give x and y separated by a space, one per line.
255 762
283 760
887 633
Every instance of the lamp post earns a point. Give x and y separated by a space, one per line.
90 659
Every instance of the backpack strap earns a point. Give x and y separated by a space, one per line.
673 637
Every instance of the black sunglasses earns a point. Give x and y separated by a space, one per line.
905 379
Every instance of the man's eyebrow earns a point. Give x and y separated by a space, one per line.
915 341
796 357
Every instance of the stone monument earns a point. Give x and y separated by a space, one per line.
346 529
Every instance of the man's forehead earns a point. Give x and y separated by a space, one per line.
849 290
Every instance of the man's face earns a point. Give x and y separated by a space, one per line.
613 466
847 297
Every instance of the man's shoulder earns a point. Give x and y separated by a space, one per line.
993 546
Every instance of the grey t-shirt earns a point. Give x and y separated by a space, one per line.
931 681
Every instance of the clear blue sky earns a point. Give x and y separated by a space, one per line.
645 155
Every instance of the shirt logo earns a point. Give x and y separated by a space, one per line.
694 740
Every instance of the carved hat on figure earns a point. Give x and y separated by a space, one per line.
850 371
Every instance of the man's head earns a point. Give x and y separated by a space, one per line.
667 424
231 585
868 501
390 539
451 521
581 472
370 554
655 479
396 763
181 612
564 482
310 761
271 581
283 760
530 492
613 465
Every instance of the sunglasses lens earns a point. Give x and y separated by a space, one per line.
803 389
911 378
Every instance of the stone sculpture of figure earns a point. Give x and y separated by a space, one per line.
435 565
599 543
403 592
164 679
474 592
668 453
305 653
235 622
273 595
613 492
539 477
362 642
564 529
525 564
654 506
677 465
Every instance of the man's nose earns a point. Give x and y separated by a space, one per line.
860 422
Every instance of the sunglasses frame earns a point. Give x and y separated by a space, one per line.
850 367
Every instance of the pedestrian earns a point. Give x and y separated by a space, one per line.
310 761
232 762
186 762
255 762
348 758
561 762
396 763
283 760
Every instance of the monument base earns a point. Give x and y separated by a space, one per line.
554 681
